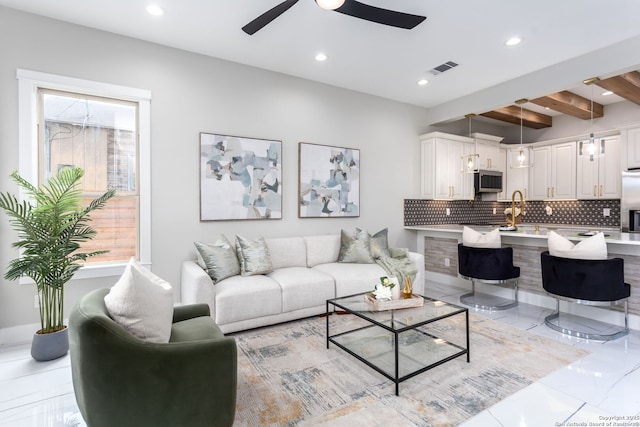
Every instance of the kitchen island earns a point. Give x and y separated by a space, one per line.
439 244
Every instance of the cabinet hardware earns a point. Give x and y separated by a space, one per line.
600 190
595 191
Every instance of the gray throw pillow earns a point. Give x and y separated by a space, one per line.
355 248
218 259
254 256
379 243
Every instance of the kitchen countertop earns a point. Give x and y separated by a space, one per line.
613 235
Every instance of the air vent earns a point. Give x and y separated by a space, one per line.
443 67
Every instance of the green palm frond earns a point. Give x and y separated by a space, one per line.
51 227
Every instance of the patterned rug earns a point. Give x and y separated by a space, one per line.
287 377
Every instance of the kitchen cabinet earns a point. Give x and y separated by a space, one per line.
502 166
488 148
632 136
441 174
517 178
553 174
598 176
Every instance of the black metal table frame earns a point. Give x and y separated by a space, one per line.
397 379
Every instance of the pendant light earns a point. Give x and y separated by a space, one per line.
591 145
330 4
470 162
523 159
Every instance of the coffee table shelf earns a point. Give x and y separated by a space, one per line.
394 342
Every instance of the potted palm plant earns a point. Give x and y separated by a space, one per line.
51 226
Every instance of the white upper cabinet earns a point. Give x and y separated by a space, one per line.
441 167
488 147
502 166
598 169
632 137
553 174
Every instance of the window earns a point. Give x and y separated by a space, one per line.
104 129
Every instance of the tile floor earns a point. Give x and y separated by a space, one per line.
602 387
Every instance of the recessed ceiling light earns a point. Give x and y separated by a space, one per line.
155 10
607 93
423 82
513 41
321 57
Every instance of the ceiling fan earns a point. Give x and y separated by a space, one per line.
348 7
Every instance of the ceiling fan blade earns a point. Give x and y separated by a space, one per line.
381 16
271 14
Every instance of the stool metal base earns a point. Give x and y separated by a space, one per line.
553 322
482 301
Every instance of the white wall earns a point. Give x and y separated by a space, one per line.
192 94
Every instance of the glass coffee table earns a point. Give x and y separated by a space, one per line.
397 343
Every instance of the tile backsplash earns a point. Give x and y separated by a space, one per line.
570 212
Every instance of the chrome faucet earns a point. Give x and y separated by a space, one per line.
512 223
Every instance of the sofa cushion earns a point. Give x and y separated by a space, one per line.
322 249
355 248
241 297
219 258
594 247
353 278
287 252
253 255
142 303
303 287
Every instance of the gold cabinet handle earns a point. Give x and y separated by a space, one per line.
553 191
595 190
548 192
600 190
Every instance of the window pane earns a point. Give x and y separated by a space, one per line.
100 136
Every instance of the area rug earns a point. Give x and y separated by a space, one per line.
287 376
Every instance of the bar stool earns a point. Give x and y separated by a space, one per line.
589 282
492 266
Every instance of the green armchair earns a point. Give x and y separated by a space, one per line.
120 380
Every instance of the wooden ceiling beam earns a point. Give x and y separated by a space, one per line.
570 103
511 114
626 86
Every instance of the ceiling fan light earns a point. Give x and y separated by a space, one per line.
330 4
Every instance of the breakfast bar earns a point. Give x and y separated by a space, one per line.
439 244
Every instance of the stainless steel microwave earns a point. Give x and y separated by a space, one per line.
487 181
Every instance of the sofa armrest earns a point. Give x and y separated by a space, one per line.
185 312
196 287
418 283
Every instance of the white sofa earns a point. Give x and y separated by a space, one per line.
306 273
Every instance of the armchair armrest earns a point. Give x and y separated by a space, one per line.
184 312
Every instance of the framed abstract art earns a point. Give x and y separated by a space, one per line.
329 181
240 178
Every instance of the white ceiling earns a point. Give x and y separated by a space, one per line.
369 57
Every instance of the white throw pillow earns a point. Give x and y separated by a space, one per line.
475 239
594 247
142 303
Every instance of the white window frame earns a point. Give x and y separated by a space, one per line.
28 84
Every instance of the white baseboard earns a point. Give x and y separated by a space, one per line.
600 314
20 334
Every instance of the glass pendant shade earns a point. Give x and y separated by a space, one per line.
591 148
330 4
471 162
523 157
